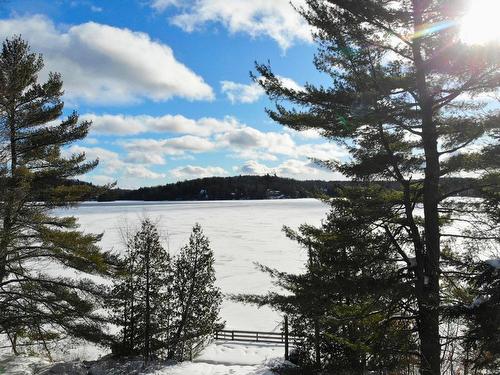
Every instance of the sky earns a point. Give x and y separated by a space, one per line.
166 84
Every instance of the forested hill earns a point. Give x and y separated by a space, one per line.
247 187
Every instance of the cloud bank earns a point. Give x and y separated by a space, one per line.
276 19
101 64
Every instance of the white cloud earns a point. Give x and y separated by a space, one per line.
321 151
153 148
247 141
290 83
140 171
141 157
161 5
293 168
255 154
253 167
191 171
98 179
130 125
109 161
91 141
250 93
276 19
187 143
239 92
112 168
304 134
102 64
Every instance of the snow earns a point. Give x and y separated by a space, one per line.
245 354
241 234
226 357
20 365
219 358
193 368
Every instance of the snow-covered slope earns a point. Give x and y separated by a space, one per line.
241 233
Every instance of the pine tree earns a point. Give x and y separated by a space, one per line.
142 295
343 307
36 302
196 299
403 100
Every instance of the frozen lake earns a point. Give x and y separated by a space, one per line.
241 233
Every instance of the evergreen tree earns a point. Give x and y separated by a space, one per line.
142 295
196 299
403 100
36 247
346 308
166 307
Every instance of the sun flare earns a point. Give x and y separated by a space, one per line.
481 24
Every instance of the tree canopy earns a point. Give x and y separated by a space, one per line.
408 98
46 262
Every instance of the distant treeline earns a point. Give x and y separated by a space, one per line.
253 187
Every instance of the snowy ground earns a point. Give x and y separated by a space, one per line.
219 358
241 233
223 358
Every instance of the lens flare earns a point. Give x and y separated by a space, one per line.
480 25
432 28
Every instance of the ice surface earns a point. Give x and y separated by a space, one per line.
241 233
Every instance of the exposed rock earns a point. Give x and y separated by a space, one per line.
107 365
66 368
117 366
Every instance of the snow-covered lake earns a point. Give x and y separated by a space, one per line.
241 233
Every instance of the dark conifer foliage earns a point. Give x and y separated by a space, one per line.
38 303
166 307
350 307
403 97
260 187
142 295
196 300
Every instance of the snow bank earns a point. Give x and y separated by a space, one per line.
189 368
246 354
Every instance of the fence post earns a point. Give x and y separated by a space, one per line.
257 336
286 338
216 335
232 335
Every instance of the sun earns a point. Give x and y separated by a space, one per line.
481 23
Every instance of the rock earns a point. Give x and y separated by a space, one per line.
112 366
66 368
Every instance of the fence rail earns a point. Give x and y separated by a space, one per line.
254 336
283 337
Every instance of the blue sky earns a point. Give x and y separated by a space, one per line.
166 84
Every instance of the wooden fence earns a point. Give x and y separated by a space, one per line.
257 336
253 336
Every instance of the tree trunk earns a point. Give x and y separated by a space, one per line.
428 297
9 200
13 342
